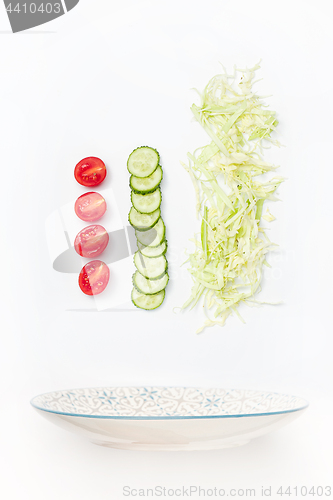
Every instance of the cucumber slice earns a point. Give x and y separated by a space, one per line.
145 185
150 268
143 161
147 286
153 251
147 302
152 237
147 203
143 222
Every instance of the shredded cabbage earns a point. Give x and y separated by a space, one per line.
227 263
268 216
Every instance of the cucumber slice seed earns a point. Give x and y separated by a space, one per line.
150 268
145 185
153 251
143 161
152 237
143 222
147 203
147 302
147 286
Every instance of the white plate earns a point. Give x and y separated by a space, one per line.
168 418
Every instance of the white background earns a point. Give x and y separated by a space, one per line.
101 80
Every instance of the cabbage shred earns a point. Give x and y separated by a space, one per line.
227 263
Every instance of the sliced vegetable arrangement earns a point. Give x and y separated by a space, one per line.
151 276
227 263
92 240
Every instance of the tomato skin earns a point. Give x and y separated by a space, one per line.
90 171
90 207
91 241
94 277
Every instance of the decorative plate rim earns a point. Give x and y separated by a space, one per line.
303 406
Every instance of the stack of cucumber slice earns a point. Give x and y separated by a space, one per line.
151 277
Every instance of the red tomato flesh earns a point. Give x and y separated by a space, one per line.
91 241
90 171
94 277
90 207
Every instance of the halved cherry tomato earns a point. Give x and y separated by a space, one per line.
91 241
90 171
90 207
94 277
